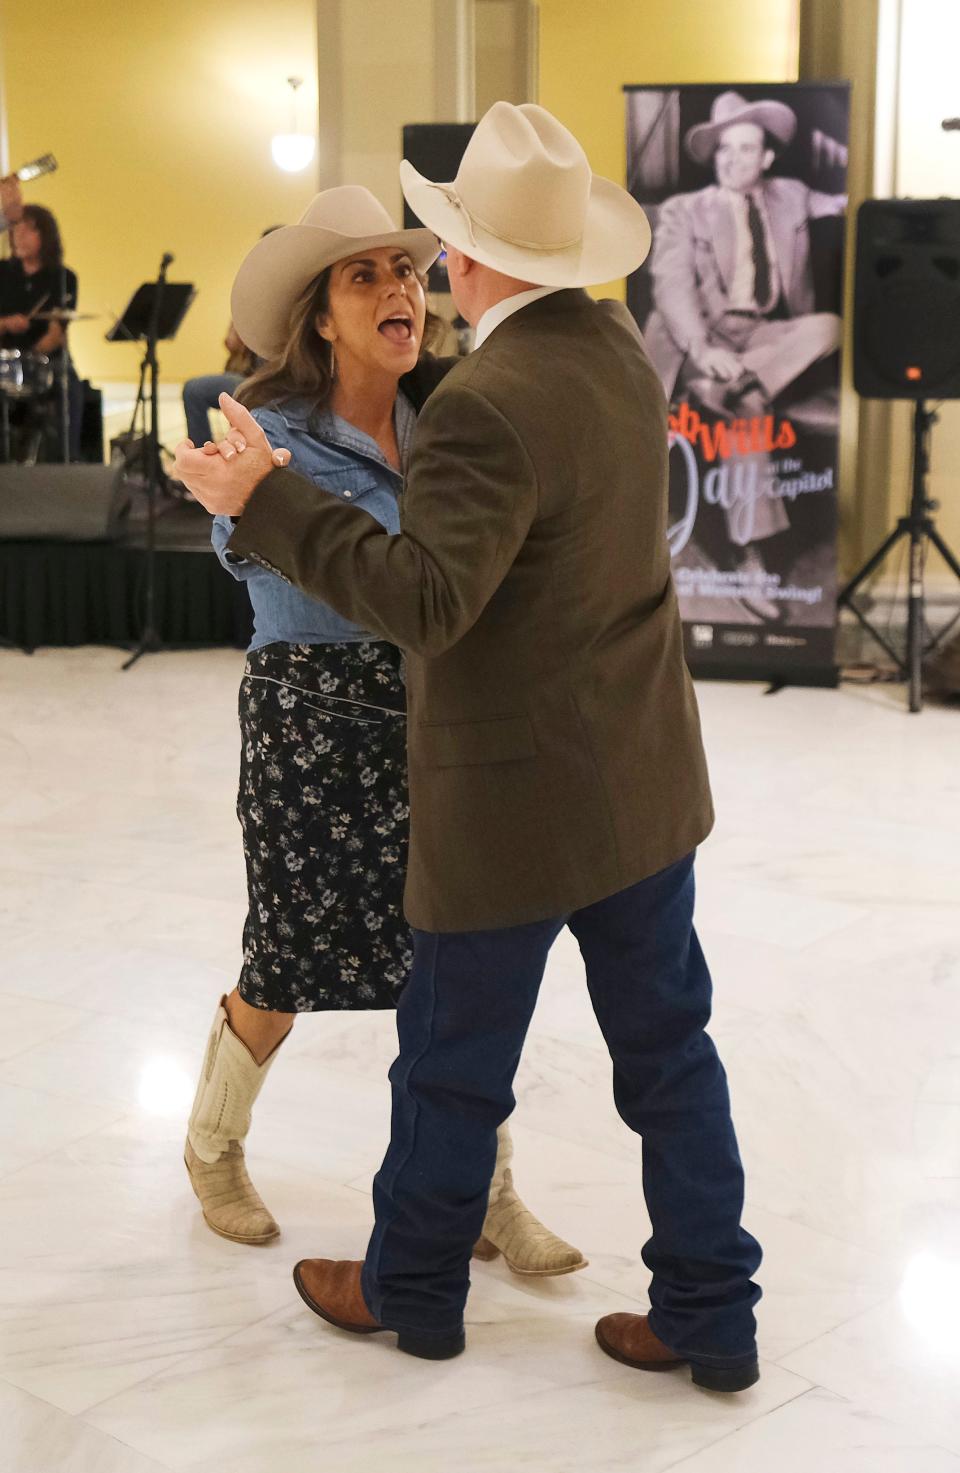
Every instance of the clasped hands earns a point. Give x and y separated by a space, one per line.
223 477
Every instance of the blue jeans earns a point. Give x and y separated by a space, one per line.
462 1021
200 395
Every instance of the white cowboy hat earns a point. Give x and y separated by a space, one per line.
730 107
526 203
337 223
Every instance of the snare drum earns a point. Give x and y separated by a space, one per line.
24 375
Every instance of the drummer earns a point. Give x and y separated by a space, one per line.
34 281
30 282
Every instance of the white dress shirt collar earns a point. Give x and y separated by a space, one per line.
495 315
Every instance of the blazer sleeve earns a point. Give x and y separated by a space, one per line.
468 503
673 268
222 529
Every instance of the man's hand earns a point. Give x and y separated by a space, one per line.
223 477
11 199
16 324
828 153
719 363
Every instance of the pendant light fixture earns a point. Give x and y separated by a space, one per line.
293 151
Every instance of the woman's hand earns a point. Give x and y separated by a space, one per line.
223 477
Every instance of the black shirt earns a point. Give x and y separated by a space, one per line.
20 293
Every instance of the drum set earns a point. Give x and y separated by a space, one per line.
27 386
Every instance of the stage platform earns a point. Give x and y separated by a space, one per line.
76 593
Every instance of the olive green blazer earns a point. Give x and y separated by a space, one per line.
554 742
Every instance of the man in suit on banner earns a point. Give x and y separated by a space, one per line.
734 323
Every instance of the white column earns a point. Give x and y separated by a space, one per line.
887 109
329 95
454 37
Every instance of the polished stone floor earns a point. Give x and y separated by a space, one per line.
132 1339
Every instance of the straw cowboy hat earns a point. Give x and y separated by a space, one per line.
337 223
526 203
774 117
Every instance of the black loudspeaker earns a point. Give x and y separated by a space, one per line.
435 151
61 503
906 325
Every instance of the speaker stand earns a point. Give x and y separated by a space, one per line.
920 529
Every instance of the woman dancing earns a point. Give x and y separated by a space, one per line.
335 306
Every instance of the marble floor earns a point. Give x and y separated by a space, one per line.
132 1339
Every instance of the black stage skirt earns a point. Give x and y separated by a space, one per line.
324 812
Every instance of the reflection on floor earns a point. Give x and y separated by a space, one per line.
132 1339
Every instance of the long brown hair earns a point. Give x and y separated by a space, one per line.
44 221
304 367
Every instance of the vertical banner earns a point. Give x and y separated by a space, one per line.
739 302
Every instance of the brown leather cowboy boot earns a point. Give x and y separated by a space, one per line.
331 1288
629 1339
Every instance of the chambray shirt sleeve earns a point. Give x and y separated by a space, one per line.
223 527
220 534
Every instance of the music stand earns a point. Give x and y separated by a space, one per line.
137 315
153 314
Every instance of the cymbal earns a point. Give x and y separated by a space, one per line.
61 315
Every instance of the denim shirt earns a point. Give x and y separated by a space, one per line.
345 461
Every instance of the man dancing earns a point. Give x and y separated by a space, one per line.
557 776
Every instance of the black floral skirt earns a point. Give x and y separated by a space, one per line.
323 808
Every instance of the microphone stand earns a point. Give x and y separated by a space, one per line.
63 374
150 637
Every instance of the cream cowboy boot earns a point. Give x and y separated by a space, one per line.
510 1228
229 1084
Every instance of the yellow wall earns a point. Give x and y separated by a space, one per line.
588 51
160 113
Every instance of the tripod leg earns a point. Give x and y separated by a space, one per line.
849 589
944 551
150 638
884 644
